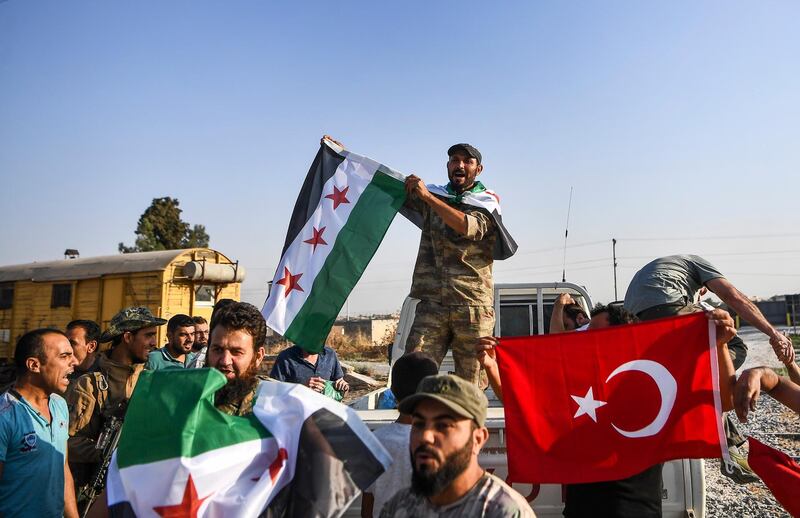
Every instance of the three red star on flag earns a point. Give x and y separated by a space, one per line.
290 282
317 238
338 196
187 508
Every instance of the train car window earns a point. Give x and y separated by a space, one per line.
62 296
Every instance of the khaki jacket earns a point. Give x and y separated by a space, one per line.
90 398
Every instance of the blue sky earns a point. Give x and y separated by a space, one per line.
675 123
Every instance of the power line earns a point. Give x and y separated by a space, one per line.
559 248
714 254
706 238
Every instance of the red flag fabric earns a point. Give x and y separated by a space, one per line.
779 472
606 404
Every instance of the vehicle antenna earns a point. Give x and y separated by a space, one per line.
566 235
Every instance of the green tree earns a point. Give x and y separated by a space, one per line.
160 227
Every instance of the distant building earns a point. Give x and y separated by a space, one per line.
377 331
778 310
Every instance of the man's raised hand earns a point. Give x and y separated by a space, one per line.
415 185
328 137
485 351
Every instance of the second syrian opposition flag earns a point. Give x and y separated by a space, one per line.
341 215
299 453
609 403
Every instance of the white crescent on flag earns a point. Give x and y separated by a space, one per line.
667 387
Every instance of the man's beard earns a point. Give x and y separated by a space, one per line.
428 483
238 388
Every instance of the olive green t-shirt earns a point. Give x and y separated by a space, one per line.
668 280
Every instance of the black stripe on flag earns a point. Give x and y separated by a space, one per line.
504 246
325 164
121 510
332 465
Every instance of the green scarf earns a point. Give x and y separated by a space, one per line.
476 188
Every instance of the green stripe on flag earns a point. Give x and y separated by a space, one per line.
355 245
172 414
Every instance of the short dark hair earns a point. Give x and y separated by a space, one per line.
409 370
197 319
179 320
617 314
573 310
89 327
221 303
31 345
241 316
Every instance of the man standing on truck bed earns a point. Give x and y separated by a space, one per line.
462 235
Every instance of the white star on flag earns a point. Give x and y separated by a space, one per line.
587 405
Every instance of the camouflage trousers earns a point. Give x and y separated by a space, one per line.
437 328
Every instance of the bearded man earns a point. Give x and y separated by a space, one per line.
236 349
448 414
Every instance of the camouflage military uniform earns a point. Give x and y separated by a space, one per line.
245 406
94 396
453 280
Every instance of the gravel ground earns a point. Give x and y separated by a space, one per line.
728 499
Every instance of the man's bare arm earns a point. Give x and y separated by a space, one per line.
487 357
794 372
726 330
557 318
451 216
734 298
753 381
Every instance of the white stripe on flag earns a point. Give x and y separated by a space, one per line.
301 257
226 473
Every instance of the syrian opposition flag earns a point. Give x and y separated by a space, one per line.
779 472
300 452
479 197
607 404
341 215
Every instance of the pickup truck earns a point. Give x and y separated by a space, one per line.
525 309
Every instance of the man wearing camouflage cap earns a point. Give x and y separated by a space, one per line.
448 416
97 395
462 235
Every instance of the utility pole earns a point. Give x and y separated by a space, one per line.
614 255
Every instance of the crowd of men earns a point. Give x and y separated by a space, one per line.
68 385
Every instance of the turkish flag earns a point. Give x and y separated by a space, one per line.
778 471
606 404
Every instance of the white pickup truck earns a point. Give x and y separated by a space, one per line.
525 309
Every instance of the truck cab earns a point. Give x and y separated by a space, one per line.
524 310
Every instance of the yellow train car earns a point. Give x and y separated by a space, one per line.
50 294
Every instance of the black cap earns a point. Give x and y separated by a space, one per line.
466 148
